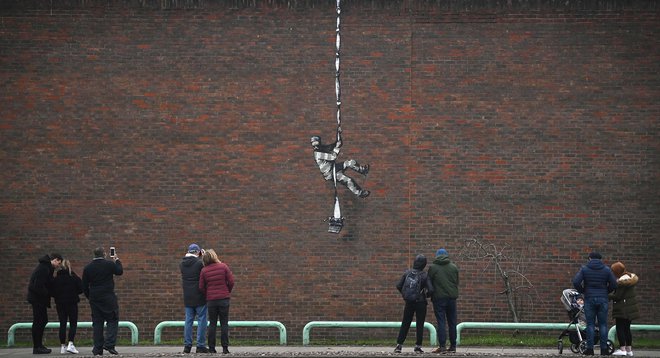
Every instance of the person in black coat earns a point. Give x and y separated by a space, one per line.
416 306
193 300
67 288
39 297
99 288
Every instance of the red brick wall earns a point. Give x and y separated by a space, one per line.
532 129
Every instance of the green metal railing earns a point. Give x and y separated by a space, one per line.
505 325
28 325
353 324
611 334
159 328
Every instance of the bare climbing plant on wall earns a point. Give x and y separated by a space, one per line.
509 263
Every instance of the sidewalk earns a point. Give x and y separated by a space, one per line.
311 351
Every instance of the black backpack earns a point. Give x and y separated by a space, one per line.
412 286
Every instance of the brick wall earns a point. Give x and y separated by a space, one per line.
151 125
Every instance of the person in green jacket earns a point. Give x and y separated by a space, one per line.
624 308
444 276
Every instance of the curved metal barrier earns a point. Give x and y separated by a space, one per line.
26 325
611 334
353 324
505 325
160 326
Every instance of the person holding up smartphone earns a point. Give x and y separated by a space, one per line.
99 288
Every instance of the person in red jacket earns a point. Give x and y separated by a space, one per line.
216 281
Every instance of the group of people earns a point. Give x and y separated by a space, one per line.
600 284
53 277
440 283
207 284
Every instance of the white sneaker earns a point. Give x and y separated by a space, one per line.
63 349
629 353
71 348
619 352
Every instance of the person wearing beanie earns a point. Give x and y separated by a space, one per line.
624 307
414 285
444 278
595 280
194 300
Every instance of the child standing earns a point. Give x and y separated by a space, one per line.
67 287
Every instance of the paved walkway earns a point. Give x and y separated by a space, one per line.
313 351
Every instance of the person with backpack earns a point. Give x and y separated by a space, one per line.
444 276
414 286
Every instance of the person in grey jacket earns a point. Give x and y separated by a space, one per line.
595 280
444 276
193 299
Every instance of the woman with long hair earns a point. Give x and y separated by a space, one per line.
624 308
216 281
67 287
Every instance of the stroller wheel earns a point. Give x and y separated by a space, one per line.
582 347
575 348
560 347
610 347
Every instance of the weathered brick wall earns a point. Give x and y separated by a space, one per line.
151 125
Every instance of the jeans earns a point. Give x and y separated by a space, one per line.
596 308
418 309
191 312
445 308
108 338
219 309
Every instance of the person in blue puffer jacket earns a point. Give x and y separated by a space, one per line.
595 281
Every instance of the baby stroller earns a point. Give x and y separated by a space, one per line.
574 304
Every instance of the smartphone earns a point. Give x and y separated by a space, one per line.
113 252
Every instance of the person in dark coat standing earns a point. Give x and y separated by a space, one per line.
67 288
595 280
193 299
624 307
444 276
216 281
416 307
38 296
99 288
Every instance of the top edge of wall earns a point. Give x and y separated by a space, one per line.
454 6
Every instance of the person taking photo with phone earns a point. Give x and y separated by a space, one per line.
99 288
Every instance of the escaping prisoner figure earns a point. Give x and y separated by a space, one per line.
326 155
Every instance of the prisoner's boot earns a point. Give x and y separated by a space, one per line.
201 350
186 349
364 169
225 350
